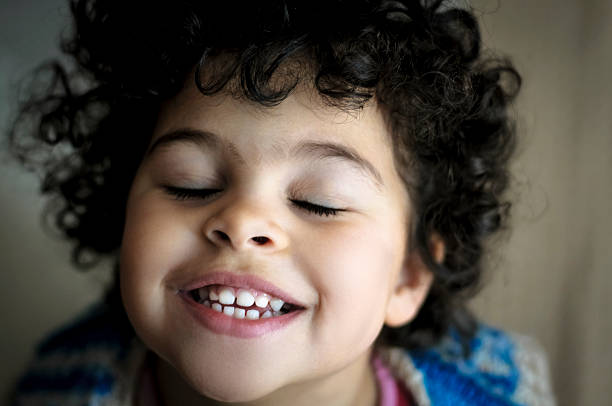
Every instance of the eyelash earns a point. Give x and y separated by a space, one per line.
315 208
185 194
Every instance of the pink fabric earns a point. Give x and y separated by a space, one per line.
391 393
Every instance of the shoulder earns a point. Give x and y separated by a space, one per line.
501 369
88 361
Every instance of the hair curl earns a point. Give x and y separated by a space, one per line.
445 104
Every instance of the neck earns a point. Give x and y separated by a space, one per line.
354 385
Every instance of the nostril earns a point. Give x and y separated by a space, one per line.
222 235
261 240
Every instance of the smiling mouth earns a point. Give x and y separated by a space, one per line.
241 303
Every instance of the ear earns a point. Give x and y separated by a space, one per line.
412 287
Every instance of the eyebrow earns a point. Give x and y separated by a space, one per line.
332 150
208 140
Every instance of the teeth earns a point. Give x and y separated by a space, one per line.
276 304
262 300
212 295
245 298
252 315
226 296
219 298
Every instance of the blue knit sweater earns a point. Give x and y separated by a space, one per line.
96 362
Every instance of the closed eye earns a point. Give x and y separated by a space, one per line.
316 209
185 193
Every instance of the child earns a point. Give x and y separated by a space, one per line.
297 195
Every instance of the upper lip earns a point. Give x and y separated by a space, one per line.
239 280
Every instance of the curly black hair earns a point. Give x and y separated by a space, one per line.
446 105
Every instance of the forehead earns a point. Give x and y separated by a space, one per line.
275 130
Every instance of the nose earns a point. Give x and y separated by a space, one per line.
242 225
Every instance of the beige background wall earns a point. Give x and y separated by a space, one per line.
551 276
555 281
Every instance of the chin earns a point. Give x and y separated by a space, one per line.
235 391
230 385
234 395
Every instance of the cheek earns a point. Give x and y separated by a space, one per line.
355 269
152 245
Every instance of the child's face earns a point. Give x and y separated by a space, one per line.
343 272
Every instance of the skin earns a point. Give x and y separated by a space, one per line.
351 271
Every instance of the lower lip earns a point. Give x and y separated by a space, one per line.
220 323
